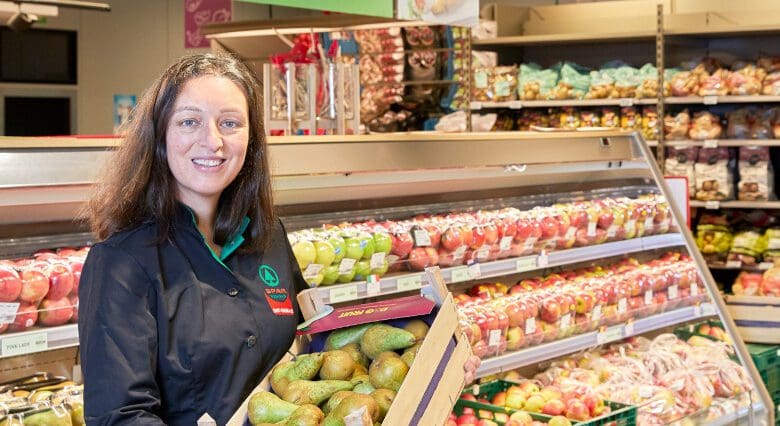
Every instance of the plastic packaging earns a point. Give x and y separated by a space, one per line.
756 175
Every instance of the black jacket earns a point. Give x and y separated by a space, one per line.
169 332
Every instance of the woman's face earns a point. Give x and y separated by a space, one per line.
207 139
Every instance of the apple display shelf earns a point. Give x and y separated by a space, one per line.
333 179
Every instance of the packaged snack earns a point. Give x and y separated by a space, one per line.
496 84
714 241
610 117
738 123
704 126
714 178
746 79
747 247
756 176
714 84
536 83
574 83
569 118
676 127
650 129
680 161
630 119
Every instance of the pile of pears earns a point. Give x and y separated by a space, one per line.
358 374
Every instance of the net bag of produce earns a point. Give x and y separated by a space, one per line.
535 82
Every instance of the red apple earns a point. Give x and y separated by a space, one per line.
467 420
520 418
434 232
74 301
76 266
26 317
4 328
553 407
499 399
10 284
419 259
60 281
402 244
54 312
35 285
491 233
550 310
452 238
577 410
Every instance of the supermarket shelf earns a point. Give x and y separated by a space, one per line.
738 266
39 340
651 143
552 350
525 40
732 418
714 100
413 281
715 205
476 105
714 143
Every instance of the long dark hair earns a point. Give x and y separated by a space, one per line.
137 184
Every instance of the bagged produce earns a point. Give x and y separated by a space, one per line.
747 284
536 83
680 161
602 86
714 178
532 117
684 84
714 84
738 126
650 129
647 77
574 83
714 241
772 238
626 80
496 84
705 125
569 118
589 118
610 117
745 79
756 176
676 127
771 84
630 119
747 247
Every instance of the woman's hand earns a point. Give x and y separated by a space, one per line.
470 367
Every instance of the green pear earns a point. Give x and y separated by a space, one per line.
360 370
313 392
382 337
77 413
384 399
265 407
417 327
335 400
305 367
337 339
411 353
360 379
353 349
348 406
48 418
364 388
305 415
337 365
388 373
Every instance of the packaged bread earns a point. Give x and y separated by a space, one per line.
705 126
714 179
676 127
680 161
756 176
746 79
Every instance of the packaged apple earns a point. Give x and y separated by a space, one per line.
368 364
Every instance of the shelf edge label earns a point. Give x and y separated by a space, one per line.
25 344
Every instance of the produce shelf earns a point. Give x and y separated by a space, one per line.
535 354
714 143
524 40
476 105
733 418
413 281
714 100
715 205
738 266
38 340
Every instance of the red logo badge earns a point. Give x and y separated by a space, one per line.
279 301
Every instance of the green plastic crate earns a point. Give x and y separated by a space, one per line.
766 357
621 414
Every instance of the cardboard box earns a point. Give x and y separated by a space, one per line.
756 317
435 380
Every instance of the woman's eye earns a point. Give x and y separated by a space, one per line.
230 124
189 122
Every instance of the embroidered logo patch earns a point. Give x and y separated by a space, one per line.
268 276
279 301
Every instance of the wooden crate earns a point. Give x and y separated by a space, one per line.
757 317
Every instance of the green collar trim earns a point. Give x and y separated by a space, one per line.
231 246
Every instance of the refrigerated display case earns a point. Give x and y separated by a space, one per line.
412 178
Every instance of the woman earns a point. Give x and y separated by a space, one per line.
189 300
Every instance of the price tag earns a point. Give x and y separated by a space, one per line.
711 143
502 88
612 231
525 264
565 322
734 264
626 102
460 274
480 80
346 265
648 297
673 293
542 260
622 306
459 253
649 224
610 335
765 265
312 270
530 325
596 315
343 293
505 243
474 271
570 233
475 105
8 312
422 238
707 309
378 260
710 100
591 229
694 290
631 226
515 105
529 243
629 328
475 389
409 283
24 344
712 205
495 337
483 253
373 286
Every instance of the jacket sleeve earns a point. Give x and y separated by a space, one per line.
118 335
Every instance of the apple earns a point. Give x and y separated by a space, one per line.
330 274
584 301
452 238
362 270
467 419
519 418
383 243
534 404
76 266
559 421
26 317
452 420
553 407
433 255
419 259
346 275
549 227
60 281
480 349
529 387
54 312
491 233
550 310
577 410
35 285
486 422
515 400
515 311
325 253
10 284
74 301
499 399
551 392
4 328
354 247
477 237
501 417
304 252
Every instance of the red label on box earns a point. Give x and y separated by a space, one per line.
348 316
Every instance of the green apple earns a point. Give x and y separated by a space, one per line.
367 244
347 277
304 252
339 247
315 280
362 270
354 249
326 254
330 274
382 270
383 242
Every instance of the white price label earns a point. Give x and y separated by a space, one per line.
673 293
612 231
648 297
596 315
530 325
609 335
709 100
346 265
24 344
422 238
378 260
626 102
475 105
460 274
734 264
649 224
765 265
694 290
711 143
459 253
515 105
774 244
529 243
474 271
622 306
525 264
373 287
312 270
475 389
483 253
591 229
409 283
629 328
495 337
8 312
543 260
340 294
570 233
565 322
712 205
505 243
631 225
